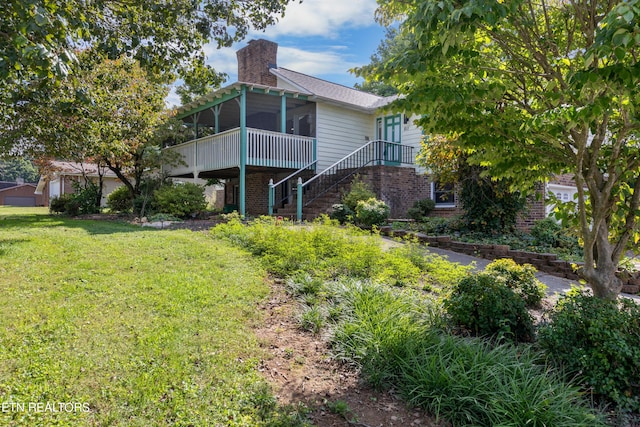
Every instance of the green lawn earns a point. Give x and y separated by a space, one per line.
106 323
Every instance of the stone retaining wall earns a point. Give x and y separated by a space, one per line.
546 262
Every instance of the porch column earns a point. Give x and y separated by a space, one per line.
196 116
216 116
243 149
283 114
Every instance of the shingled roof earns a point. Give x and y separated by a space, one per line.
332 92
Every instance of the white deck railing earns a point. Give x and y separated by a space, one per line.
264 148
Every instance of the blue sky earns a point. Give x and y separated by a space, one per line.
322 38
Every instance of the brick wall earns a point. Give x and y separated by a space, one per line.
398 187
565 179
534 210
254 61
257 191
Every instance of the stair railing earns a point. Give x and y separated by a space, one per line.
282 190
374 152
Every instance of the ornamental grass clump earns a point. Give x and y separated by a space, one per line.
395 337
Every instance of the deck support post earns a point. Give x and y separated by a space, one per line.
283 114
271 196
299 200
243 150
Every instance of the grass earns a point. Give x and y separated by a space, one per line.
378 320
112 324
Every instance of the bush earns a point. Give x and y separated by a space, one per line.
342 213
83 201
545 232
421 209
598 341
436 225
359 191
320 250
119 200
520 278
394 338
484 305
489 205
180 200
58 204
372 212
548 233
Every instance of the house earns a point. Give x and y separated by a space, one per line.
19 193
286 143
276 128
60 177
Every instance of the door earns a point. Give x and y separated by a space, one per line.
392 133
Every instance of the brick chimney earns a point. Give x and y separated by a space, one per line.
254 61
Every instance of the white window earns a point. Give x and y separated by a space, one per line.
564 193
443 195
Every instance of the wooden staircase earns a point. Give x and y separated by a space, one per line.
321 205
322 191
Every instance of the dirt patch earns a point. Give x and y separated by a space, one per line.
301 371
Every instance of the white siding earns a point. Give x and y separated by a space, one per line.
340 132
54 188
412 136
108 186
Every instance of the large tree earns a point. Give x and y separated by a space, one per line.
531 88
12 169
112 113
40 40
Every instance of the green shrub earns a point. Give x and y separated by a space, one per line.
58 204
437 225
484 305
119 200
342 213
598 341
421 209
488 204
520 278
321 249
372 212
181 200
84 200
144 202
359 191
394 338
546 231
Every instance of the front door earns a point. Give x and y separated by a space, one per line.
392 133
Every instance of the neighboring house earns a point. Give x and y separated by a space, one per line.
60 178
276 134
277 125
19 194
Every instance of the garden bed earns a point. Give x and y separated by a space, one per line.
545 262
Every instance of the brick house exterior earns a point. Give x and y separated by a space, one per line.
19 194
277 126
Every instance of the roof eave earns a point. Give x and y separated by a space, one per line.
210 99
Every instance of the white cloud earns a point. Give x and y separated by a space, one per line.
330 61
323 18
302 35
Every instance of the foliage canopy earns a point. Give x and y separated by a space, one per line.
532 89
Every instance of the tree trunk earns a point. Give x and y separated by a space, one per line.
601 274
